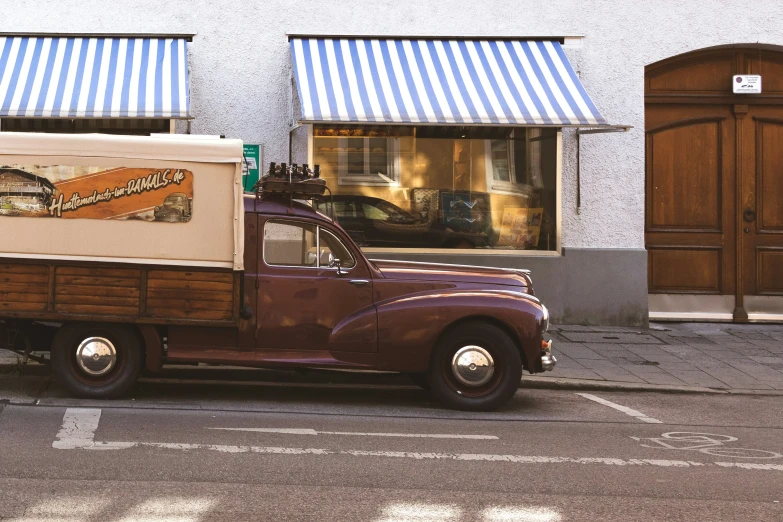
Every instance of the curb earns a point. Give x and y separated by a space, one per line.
555 383
318 379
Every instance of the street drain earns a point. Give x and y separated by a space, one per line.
610 337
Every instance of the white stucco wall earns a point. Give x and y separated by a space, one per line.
241 65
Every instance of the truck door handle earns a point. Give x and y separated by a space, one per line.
359 282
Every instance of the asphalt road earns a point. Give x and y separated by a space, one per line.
197 452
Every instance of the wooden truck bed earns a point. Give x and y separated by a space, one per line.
66 291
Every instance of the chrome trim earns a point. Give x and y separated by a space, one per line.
545 318
548 360
473 366
96 356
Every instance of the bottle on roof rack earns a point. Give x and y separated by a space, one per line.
295 180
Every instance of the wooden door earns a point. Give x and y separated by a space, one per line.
761 215
714 185
690 200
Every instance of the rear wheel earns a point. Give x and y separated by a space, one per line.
476 366
96 361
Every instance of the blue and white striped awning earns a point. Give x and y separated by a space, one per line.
469 82
94 77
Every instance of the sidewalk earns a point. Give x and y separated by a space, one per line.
682 357
730 357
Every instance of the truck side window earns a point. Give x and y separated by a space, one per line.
289 244
330 244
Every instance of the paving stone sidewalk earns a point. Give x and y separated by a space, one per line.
711 355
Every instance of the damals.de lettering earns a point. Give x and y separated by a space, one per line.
149 183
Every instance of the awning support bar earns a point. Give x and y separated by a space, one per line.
590 130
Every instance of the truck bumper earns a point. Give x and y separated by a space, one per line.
548 359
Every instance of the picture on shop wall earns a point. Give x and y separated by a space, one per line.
520 227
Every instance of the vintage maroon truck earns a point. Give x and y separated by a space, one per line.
301 295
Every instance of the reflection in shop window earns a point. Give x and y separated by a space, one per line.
442 187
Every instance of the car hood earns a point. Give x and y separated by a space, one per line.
414 271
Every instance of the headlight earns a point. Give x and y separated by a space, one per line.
545 318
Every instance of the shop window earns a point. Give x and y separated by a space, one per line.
442 187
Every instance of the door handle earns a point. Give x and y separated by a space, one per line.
749 215
359 282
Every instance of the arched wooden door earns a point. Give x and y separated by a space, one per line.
714 186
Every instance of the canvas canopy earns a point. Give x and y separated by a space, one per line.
170 200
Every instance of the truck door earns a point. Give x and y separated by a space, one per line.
303 302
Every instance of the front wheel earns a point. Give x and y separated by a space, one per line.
96 361
476 366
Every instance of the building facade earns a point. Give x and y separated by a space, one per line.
612 156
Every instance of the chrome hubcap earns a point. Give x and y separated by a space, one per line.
96 356
473 366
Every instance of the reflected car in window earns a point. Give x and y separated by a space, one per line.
372 221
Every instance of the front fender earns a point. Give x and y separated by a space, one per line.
409 326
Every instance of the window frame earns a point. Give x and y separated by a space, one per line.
368 179
318 228
557 252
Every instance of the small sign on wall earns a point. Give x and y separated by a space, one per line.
747 84
251 165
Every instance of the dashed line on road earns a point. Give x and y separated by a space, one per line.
306 431
79 426
619 407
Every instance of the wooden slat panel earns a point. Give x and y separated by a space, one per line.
37 288
98 272
100 291
34 278
674 270
97 310
106 293
173 275
202 315
189 285
12 306
96 281
23 269
97 300
23 288
158 293
188 304
109 291
190 294
7 296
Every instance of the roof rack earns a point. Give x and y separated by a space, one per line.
295 181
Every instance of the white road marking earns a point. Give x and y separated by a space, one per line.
170 509
304 431
628 411
79 426
420 512
520 514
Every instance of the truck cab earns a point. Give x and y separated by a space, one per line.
312 299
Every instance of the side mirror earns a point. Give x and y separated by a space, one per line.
334 262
